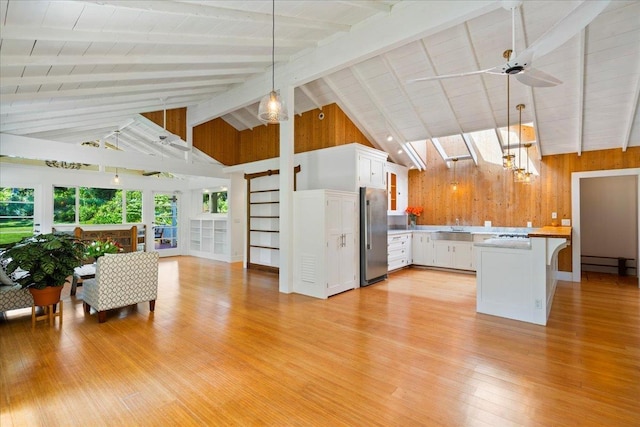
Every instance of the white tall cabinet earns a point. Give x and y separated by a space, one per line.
325 245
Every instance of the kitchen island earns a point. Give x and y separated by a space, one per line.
516 278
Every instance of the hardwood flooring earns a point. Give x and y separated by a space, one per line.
224 347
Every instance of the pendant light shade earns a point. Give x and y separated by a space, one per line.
528 176
272 109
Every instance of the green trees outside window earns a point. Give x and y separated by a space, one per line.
215 202
85 205
16 214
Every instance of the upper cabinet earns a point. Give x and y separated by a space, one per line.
397 188
371 170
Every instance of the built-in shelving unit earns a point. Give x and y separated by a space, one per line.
263 219
208 238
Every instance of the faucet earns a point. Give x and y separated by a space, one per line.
457 226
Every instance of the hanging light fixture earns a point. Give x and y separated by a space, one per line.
528 176
518 172
454 183
507 159
272 109
116 179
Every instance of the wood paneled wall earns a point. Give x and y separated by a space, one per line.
176 120
229 146
218 139
487 192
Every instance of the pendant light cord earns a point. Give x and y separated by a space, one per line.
273 45
508 119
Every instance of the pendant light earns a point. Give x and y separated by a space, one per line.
454 183
528 176
507 159
518 172
272 109
116 179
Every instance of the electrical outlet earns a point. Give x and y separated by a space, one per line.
566 222
529 224
554 215
487 223
538 303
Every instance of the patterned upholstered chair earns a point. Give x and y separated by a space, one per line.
12 295
121 280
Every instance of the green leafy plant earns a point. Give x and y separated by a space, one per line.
47 259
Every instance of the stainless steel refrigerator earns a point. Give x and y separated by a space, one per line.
373 235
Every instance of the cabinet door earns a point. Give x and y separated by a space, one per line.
461 257
364 171
392 191
341 244
402 191
378 174
417 249
442 253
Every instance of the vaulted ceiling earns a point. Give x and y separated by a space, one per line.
75 71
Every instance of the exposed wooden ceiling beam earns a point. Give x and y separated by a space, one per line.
221 13
159 90
10 32
146 102
369 4
76 60
129 76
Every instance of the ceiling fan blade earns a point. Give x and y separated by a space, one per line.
179 146
537 78
448 76
565 29
151 173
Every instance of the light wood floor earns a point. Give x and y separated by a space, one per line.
225 348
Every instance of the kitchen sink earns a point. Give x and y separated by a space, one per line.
461 236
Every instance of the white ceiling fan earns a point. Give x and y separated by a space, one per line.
520 64
168 138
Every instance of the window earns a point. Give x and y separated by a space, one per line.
16 214
85 205
215 202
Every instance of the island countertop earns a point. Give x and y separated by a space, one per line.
549 231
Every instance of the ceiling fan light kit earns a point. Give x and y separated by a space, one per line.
272 109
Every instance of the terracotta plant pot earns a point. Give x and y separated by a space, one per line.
47 296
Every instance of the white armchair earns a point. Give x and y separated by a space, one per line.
121 280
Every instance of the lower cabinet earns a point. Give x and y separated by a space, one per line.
422 249
451 254
399 250
325 246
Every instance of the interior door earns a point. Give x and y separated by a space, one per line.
165 224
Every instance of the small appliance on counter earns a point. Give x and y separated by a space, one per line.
373 235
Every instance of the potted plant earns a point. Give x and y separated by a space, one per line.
47 260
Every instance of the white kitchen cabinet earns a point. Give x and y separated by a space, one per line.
371 170
325 245
397 188
422 250
399 250
452 254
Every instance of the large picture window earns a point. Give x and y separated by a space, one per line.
85 205
16 214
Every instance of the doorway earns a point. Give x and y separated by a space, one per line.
165 224
577 179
